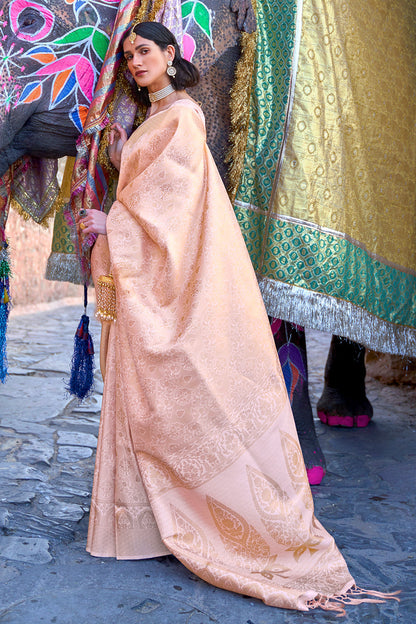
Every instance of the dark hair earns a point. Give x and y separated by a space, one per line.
187 75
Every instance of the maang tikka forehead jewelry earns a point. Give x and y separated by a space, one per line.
132 36
171 71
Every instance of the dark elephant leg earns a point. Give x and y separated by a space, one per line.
291 347
343 402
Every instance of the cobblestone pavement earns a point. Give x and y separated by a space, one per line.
367 501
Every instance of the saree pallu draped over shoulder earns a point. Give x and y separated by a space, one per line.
198 453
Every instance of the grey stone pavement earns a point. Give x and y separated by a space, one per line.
367 501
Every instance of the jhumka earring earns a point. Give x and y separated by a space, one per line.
171 71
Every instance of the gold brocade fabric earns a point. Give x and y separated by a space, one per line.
327 201
34 189
350 158
339 245
198 453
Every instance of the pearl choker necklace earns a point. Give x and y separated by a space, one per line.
162 93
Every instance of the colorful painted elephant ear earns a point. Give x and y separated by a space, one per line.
48 66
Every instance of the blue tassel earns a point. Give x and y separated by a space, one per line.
4 307
4 315
82 367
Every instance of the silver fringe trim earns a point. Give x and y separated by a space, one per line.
62 267
337 316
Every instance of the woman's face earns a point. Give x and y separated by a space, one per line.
147 62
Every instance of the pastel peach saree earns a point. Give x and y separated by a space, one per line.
198 453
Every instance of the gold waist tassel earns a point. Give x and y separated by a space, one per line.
106 298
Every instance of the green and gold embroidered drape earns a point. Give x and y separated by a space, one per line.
327 194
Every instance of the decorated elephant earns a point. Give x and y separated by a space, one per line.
51 57
302 190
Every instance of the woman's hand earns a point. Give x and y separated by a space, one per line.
92 222
116 140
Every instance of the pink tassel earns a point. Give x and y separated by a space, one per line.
337 603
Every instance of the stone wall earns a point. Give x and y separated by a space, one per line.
30 246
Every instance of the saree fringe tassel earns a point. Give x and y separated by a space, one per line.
353 596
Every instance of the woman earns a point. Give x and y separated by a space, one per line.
194 403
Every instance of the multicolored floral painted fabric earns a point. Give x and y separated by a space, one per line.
61 68
197 13
69 61
327 196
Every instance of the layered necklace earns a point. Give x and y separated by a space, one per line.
162 93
